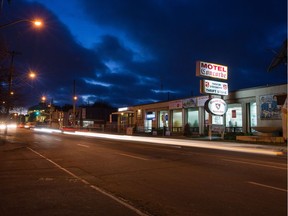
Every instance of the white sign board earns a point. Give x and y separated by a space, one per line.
216 106
213 87
206 69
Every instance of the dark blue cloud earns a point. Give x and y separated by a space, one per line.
149 47
238 34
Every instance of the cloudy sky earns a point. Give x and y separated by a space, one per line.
132 52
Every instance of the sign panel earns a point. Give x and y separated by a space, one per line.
190 102
206 69
269 107
216 106
213 87
150 116
176 104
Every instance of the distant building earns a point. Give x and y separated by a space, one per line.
88 117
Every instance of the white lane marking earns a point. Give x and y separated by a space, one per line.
132 156
86 146
120 201
256 164
268 186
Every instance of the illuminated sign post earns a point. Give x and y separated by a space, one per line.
217 107
211 70
213 87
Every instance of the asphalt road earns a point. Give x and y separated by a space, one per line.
57 174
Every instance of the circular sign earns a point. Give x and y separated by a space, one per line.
216 106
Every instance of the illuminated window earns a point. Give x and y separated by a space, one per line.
193 119
234 115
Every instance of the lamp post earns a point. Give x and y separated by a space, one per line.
10 92
36 23
74 103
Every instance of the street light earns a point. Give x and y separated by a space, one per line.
32 74
43 99
36 22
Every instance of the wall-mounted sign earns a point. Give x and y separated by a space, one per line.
150 116
190 102
122 109
216 106
206 69
176 104
213 87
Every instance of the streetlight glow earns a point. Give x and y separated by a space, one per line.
32 75
37 23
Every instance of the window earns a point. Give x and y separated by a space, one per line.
192 116
163 119
253 114
177 119
234 115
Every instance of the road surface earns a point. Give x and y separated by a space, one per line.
62 174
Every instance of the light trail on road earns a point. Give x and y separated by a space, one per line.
227 146
268 186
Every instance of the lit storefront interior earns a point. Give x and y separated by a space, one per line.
177 124
234 118
193 119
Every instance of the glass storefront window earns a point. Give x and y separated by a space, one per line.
148 125
234 115
253 114
163 119
149 118
192 116
177 119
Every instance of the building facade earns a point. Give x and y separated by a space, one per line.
258 109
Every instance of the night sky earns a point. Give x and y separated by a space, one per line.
129 52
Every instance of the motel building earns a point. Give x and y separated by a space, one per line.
259 110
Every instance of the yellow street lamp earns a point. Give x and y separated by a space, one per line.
32 74
36 22
43 99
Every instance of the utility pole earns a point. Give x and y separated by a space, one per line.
10 92
74 102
